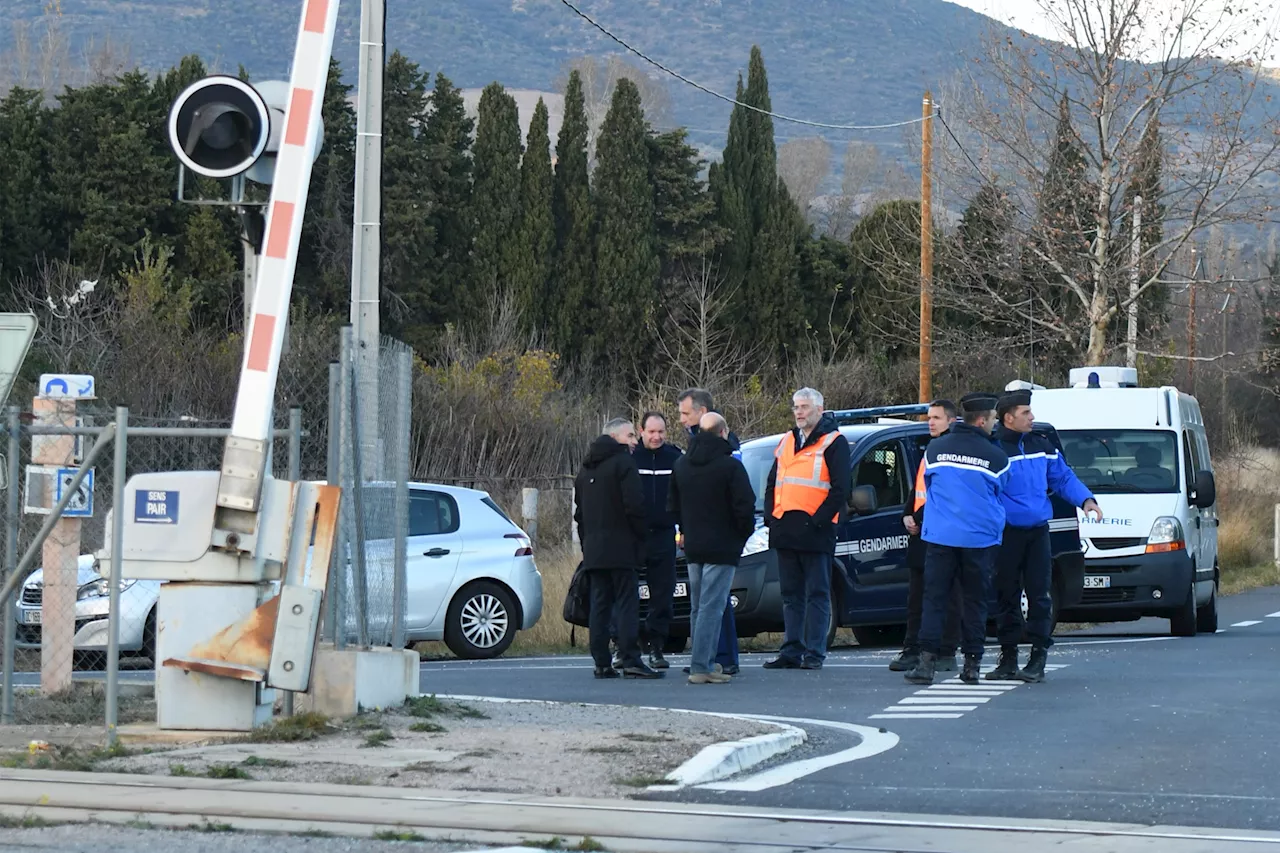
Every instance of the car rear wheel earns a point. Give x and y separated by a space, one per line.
481 622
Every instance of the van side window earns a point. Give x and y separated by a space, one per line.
884 468
1191 459
432 513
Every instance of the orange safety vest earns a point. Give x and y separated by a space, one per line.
920 491
803 481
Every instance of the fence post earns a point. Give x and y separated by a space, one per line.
333 473
295 474
360 581
404 420
529 513
119 470
11 559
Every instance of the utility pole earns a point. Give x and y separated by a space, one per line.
926 251
366 247
1191 326
1135 257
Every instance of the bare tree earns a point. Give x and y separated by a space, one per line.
599 76
861 163
803 165
697 340
1221 147
40 55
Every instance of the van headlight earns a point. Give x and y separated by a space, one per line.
757 542
1166 535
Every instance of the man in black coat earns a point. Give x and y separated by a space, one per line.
711 495
655 458
612 526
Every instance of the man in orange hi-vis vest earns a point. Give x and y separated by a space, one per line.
942 414
804 502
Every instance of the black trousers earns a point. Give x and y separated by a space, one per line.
660 575
1025 562
614 598
943 566
915 606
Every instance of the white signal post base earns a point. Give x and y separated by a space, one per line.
345 682
232 623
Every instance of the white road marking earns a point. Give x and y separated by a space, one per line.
944 700
929 716
874 742
991 686
1111 642
1247 623
950 706
1275 615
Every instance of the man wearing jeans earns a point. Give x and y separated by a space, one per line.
804 501
711 496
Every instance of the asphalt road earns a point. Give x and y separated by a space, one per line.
1135 726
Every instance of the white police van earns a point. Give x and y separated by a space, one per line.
1144 454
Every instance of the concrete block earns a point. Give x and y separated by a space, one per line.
347 681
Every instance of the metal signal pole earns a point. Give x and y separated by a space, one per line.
926 251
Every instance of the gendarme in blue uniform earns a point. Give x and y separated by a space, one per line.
964 476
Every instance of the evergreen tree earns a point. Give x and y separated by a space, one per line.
571 304
683 208
24 196
407 238
495 201
982 259
537 230
210 269
1153 304
729 184
626 239
772 291
323 280
447 136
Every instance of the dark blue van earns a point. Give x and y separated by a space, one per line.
869 583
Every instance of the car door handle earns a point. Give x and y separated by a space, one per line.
435 552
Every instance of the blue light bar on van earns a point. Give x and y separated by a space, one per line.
845 417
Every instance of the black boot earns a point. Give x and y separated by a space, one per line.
656 660
906 660
923 673
1007 667
946 662
1033 672
972 663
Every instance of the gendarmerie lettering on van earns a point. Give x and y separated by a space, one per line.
1144 454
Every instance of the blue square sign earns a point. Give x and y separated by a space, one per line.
152 507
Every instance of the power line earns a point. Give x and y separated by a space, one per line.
656 64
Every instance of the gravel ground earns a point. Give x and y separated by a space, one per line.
531 748
105 838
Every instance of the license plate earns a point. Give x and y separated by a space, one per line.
30 617
1097 581
644 592
682 591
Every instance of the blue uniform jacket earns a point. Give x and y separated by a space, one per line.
1036 468
964 475
655 476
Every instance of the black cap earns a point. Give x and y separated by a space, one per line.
978 402
1012 400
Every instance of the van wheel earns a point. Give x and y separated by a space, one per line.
1207 616
480 622
1183 622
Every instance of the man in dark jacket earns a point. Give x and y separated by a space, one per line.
804 502
693 403
712 497
942 414
1025 559
655 458
612 526
964 476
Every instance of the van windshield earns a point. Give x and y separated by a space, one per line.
758 461
1123 461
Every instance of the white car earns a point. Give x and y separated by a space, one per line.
470 580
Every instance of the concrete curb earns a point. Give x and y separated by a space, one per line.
714 762
720 760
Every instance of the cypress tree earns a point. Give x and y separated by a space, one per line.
571 303
729 184
1153 304
537 231
447 137
626 242
495 201
24 197
684 211
324 262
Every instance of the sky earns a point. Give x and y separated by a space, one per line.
1028 15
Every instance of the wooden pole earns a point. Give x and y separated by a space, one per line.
926 251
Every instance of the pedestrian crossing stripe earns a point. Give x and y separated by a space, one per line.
953 698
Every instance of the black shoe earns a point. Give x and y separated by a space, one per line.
1033 672
606 672
639 670
946 663
657 661
972 664
1007 667
905 661
923 673
731 669
782 662
811 664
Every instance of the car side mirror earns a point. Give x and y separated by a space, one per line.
1206 490
863 500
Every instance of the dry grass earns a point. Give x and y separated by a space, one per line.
1248 490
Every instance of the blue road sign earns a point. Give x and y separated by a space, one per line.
81 504
155 507
67 386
